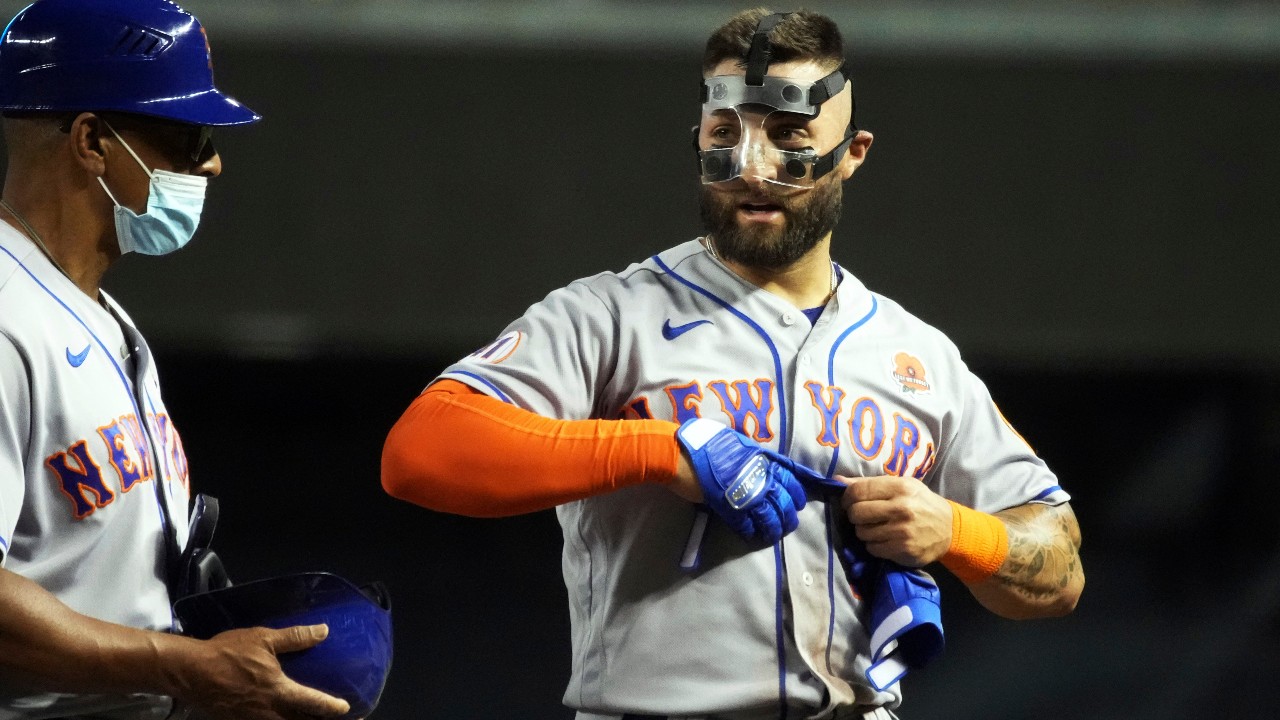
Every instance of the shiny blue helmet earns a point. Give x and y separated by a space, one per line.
148 57
351 663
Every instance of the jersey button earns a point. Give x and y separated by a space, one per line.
804 358
788 319
808 579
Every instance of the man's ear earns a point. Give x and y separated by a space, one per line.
86 143
856 155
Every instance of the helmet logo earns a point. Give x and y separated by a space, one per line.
208 51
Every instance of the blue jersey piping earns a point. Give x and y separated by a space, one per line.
501 395
1046 493
835 457
784 443
831 367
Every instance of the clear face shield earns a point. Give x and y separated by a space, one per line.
762 132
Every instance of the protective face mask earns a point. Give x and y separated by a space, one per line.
174 204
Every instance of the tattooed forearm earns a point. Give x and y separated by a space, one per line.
1042 574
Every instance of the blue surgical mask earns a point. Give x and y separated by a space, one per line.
174 204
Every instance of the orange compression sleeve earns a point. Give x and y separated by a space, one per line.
460 451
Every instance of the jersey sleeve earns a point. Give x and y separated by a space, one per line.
989 466
554 360
15 428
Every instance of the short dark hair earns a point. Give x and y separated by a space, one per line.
802 35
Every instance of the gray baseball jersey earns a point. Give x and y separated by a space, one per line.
867 390
80 456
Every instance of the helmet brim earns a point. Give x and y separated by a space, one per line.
210 107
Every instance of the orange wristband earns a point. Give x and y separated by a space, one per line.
979 544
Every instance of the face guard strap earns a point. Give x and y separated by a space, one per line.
828 87
761 52
827 163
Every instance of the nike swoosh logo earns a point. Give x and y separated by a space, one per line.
672 332
78 359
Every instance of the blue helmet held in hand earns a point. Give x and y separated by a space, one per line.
352 663
148 57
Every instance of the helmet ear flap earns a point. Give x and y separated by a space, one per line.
199 569
377 593
206 573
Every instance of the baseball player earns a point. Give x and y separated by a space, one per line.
107 108
749 452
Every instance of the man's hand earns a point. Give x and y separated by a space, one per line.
899 519
754 494
235 676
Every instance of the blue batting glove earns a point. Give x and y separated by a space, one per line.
905 623
756 496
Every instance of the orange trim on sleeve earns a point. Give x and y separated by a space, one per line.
460 451
979 544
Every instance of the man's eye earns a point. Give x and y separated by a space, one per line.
790 136
725 134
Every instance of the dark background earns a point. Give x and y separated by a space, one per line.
1087 207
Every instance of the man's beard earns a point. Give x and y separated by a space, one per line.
808 218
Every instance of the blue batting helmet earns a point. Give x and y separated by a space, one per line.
351 663
148 57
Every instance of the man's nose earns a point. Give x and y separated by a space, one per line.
210 167
757 162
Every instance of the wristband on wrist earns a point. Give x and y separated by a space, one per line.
979 544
